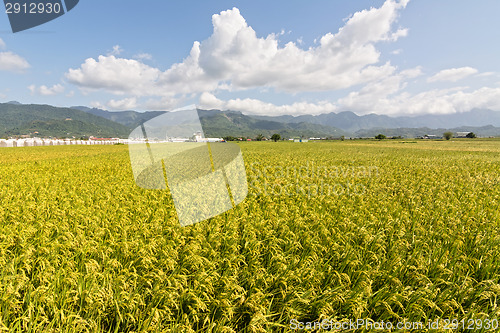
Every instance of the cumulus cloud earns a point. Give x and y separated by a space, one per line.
439 101
143 56
117 105
486 74
117 75
258 107
123 104
378 95
12 62
453 74
234 57
2 44
117 50
234 53
453 100
46 91
209 101
388 96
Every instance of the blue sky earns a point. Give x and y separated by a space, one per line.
260 57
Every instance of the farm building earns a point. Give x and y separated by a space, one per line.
431 137
300 140
462 134
34 142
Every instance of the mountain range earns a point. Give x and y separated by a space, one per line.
78 121
350 122
48 121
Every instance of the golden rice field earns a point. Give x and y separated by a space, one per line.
384 231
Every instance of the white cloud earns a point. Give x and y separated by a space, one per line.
152 104
442 101
412 72
486 74
143 56
453 74
117 50
124 104
234 57
117 75
54 90
208 101
378 95
234 53
437 101
2 44
446 101
12 62
97 105
255 106
116 105
46 91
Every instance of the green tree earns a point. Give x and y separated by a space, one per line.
259 137
471 135
275 137
447 135
380 137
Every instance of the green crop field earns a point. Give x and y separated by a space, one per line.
389 231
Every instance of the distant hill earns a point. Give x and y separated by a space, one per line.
218 124
19 119
350 122
131 119
24 119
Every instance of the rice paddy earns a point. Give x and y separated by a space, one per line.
382 231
